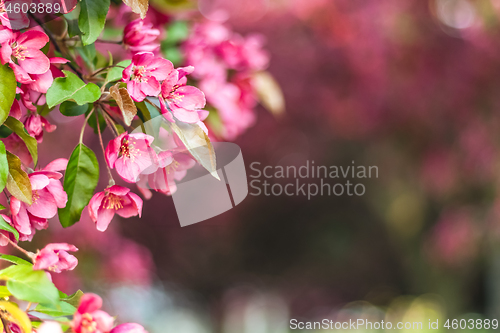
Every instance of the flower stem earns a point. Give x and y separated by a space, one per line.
85 124
109 121
110 175
53 41
27 253
119 42
153 104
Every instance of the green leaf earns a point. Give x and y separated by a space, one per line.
14 260
43 110
72 88
4 292
147 111
4 131
4 167
18 182
177 32
71 109
173 54
8 86
29 285
73 29
93 122
73 299
17 127
115 73
88 54
7 227
2 207
80 181
92 19
61 310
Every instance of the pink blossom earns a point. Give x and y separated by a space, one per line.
42 82
128 328
244 53
114 199
234 103
183 101
131 155
35 124
22 52
48 195
144 73
139 36
13 20
89 318
173 165
54 257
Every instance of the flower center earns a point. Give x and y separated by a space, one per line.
35 196
88 323
19 52
172 167
113 202
2 7
174 95
127 149
140 74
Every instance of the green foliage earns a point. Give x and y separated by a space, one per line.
4 167
80 181
115 73
60 310
93 121
18 182
7 227
72 88
92 19
7 91
88 54
71 109
29 285
14 259
73 28
17 127
147 111
73 299
4 292
177 32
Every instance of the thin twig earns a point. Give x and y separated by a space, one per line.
110 175
85 125
153 104
110 122
119 42
27 253
54 41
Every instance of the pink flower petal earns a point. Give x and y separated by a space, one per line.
104 218
89 303
33 39
36 63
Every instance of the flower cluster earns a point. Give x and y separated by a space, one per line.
58 71
225 62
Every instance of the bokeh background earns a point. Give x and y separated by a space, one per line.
410 86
